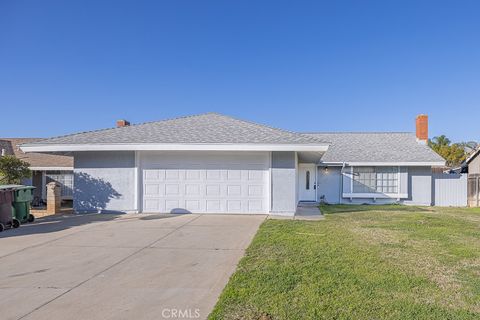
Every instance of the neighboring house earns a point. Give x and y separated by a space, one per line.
473 168
45 167
215 163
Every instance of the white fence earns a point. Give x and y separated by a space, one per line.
450 190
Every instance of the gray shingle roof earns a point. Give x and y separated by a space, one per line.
375 147
210 128
34 159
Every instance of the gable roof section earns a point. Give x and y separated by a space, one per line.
204 129
376 148
36 160
473 155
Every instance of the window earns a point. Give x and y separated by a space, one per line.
375 180
307 179
64 178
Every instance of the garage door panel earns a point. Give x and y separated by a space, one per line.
255 190
255 175
255 206
214 175
194 175
172 175
192 190
234 190
234 175
213 190
172 204
223 183
154 175
153 190
234 206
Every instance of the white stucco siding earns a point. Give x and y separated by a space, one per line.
284 183
329 184
104 181
419 186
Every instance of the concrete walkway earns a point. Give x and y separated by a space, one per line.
308 211
120 267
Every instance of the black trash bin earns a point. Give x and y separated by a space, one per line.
6 219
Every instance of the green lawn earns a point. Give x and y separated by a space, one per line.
361 262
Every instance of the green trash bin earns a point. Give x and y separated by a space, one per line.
22 196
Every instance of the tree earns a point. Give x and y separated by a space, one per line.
13 170
439 142
454 153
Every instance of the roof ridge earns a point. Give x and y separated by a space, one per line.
131 125
300 135
263 125
358 132
19 138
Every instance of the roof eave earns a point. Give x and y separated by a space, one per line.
387 163
51 168
171 147
472 156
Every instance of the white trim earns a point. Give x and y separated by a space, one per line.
399 182
173 147
351 180
375 195
472 156
381 164
269 187
44 185
51 168
137 187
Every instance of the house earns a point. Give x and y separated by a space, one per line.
45 167
215 163
473 168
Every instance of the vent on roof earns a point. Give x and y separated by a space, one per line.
122 123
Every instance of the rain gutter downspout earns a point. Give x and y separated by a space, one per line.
341 184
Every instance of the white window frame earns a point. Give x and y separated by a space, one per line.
374 194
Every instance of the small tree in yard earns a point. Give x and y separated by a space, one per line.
454 153
13 170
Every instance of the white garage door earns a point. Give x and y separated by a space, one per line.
198 182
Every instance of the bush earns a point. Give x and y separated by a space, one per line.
13 170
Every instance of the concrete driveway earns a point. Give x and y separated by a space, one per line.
120 266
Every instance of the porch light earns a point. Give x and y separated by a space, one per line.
326 169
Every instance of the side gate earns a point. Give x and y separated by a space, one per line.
474 190
449 190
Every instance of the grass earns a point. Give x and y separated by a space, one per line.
361 262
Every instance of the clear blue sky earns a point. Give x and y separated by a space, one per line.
68 66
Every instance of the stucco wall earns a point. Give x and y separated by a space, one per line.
328 184
419 186
283 188
104 181
416 182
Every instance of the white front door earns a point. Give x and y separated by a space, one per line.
306 181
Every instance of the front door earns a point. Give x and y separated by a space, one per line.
307 182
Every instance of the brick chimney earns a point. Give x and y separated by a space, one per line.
122 123
422 128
